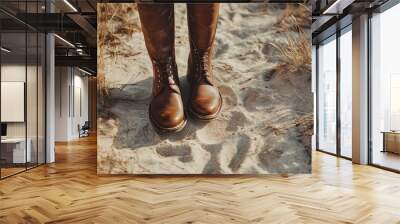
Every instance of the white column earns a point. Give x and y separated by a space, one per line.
50 94
360 90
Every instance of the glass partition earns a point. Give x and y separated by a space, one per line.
13 94
327 95
22 77
31 97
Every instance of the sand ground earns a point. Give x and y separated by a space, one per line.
262 66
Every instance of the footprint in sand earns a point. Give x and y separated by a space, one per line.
213 165
230 100
214 132
183 152
242 148
237 120
255 99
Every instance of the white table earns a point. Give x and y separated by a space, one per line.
18 144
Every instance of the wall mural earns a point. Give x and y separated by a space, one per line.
246 109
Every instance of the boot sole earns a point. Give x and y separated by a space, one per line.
165 130
205 117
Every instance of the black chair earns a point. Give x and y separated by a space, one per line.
84 130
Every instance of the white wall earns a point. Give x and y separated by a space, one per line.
80 110
16 73
62 81
70 83
33 126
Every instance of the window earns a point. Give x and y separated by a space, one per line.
385 89
327 95
346 93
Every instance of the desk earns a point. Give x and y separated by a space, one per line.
13 150
391 141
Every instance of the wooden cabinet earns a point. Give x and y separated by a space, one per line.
391 142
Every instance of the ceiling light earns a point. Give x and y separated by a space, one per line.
70 5
79 51
337 7
5 50
333 6
84 71
65 41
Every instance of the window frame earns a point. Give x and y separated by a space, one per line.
337 35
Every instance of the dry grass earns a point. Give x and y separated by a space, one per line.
295 52
294 16
116 23
306 124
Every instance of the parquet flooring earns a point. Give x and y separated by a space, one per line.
69 191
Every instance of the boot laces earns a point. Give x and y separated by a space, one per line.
203 70
166 71
168 75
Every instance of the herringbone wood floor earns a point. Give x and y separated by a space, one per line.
69 191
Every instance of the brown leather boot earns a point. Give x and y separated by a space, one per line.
205 100
166 110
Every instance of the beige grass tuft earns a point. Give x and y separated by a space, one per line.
295 15
295 52
113 29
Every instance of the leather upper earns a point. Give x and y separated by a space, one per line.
166 106
205 99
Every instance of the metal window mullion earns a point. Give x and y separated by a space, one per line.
317 97
338 98
26 87
369 100
45 92
37 91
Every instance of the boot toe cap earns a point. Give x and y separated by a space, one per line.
169 119
167 114
206 101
